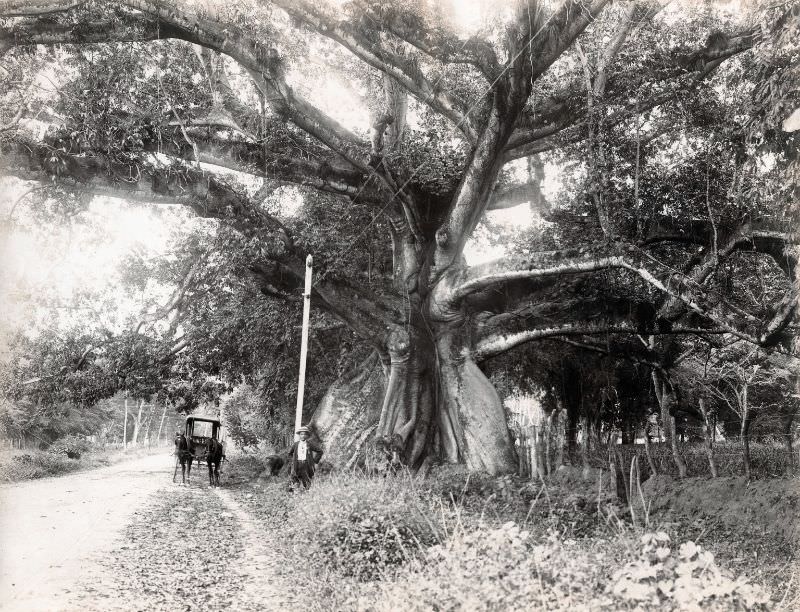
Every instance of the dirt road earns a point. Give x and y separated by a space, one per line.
52 527
125 538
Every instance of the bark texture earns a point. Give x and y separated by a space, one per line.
348 414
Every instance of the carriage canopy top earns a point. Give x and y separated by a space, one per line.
200 427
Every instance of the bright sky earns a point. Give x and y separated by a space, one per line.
66 260
519 217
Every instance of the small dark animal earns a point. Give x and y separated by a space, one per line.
274 464
214 456
185 454
391 448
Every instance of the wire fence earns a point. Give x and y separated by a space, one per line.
768 459
542 451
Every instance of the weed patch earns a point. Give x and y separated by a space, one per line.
16 466
35 464
463 542
363 527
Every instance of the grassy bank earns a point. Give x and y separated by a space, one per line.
20 465
454 542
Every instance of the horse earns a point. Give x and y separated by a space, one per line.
214 456
183 450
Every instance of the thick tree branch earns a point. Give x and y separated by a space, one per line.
742 238
285 102
163 21
621 256
560 31
500 342
624 28
23 8
367 314
749 237
330 176
45 32
404 70
434 42
559 112
140 179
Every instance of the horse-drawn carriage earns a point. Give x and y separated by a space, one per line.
200 440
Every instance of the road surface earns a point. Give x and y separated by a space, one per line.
126 538
51 529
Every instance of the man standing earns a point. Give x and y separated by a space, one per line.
303 459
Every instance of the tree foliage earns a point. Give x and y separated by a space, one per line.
383 140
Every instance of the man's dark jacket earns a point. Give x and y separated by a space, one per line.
311 459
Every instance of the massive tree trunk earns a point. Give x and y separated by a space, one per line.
348 414
472 421
423 401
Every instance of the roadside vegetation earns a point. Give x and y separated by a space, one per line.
454 541
63 457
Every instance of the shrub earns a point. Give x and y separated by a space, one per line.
488 568
455 483
244 467
687 580
72 446
503 568
34 464
362 527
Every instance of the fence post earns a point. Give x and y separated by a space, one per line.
125 425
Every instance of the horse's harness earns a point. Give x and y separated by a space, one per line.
215 447
183 448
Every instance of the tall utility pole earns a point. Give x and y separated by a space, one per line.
125 424
301 383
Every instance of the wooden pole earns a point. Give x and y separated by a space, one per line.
137 424
161 425
125 425
298 417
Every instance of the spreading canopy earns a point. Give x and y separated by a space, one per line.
665 198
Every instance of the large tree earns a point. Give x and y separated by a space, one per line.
166 102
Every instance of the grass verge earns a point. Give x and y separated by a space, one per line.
20 465
459 542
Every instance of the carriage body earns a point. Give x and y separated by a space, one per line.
198 432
